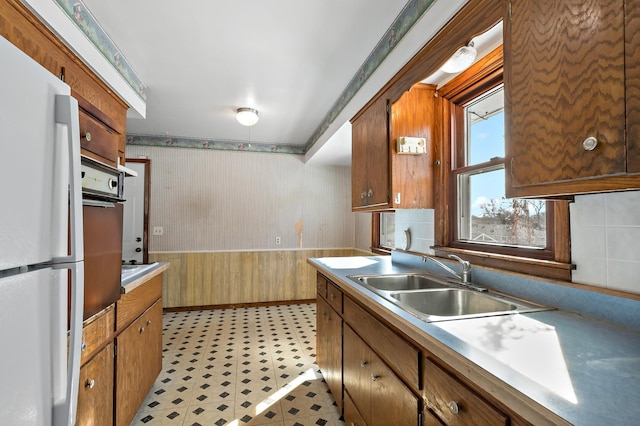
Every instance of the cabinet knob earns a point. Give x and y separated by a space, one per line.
141 330
148 322
83 347
90 384
453 407
332 296
370 193
363 195
87 136
590 143
363 363
374 377
138 249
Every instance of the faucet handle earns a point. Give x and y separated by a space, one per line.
466 265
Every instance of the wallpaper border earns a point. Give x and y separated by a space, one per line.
84 20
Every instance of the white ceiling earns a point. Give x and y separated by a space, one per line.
289 59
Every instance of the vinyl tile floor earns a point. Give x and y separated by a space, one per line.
241 366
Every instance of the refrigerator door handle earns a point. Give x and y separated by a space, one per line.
65 410
66 113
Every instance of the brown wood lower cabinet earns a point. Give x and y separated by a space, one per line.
95 404
121 357
138 362
329 344
386 378
378 395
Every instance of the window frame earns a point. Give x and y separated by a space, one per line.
551 262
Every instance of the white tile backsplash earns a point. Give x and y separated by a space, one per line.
605 240
419 222
622 208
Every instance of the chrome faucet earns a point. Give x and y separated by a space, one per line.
442 265
466 270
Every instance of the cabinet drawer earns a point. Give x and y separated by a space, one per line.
96 334
401 356
98 138
321 284
453 402
334 297
132 304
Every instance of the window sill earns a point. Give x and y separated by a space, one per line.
535 267
381 250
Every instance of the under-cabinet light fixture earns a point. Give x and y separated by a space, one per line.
247 116
460 60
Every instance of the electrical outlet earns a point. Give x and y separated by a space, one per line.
158 230
278 241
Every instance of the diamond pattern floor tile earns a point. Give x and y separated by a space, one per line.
241 366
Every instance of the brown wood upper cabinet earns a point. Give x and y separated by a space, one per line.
572 96
383 179
370 158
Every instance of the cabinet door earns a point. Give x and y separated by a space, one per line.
329 348
632 64
138 363
564 83
391 401
370 157
357 371
95 393
413 115
375 391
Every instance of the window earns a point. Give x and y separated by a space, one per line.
383 232
484 214
478 221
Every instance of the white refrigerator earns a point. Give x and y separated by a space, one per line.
41 246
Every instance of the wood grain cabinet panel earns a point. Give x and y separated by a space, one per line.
98 138
454 403
352 416
570 90
329 347
138 362
413 115
377 393
370 158
381 178
402 357
95 393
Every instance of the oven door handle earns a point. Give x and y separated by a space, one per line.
98 203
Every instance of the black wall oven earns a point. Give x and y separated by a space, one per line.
102 196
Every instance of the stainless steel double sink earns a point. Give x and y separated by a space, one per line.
433 298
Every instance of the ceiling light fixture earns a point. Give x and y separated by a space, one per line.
247 116
460 60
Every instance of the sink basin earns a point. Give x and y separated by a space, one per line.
452 302
400 282
433 298
455 303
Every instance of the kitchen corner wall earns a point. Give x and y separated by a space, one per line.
220 210
605 238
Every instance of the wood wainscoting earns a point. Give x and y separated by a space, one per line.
228 278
